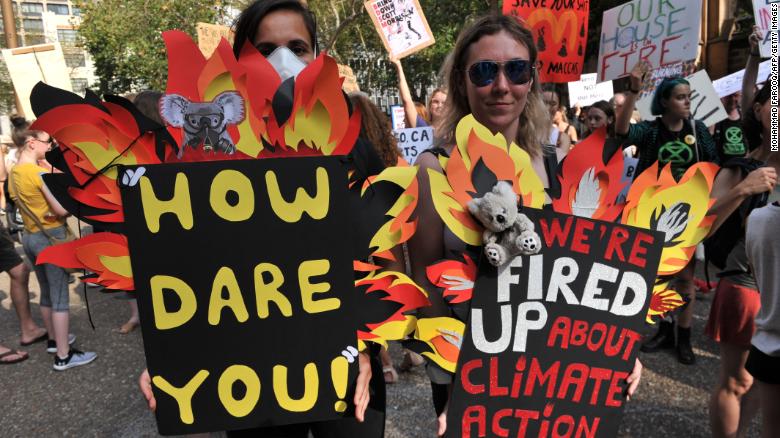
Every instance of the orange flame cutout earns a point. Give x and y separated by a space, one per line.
478 150
588 187
439 340
455 277
678 209
400 227
399 289
663 300
105 254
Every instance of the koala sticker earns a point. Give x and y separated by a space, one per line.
204 122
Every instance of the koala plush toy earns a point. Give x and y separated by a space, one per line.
507 231
204 123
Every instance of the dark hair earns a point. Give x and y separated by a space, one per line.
22 131
375 127
754 128
250 18
663 91
551 88
148 102
609 110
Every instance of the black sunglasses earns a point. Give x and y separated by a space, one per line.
517 71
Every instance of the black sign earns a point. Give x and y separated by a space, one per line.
553 336
245 286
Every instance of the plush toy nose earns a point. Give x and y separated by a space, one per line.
500 219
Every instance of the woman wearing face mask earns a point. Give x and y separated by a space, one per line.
284 31
492 77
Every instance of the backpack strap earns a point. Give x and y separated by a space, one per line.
437 151
551 167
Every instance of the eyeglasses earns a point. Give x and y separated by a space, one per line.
517 71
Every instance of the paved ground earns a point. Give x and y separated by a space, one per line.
102 399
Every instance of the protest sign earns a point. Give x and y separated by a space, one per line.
350 84
401 26
664 32
397 117
411 142
732 83
209 36
560 29
245 287
552 337
762 11
586 91
25 66
629 173
705 102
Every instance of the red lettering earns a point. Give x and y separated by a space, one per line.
605 65
561 327
618 237
471 416
639 251
625 57
578 242
643 49
517 381
566 420
495 389
466 381
554 231
579 333
524 415
535 374
496 425
664 50
612 346
585 430
601 329
633 338
615 387
575 374
598 375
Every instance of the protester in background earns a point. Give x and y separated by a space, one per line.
579 119
600 115
375 127
563 134
492 76
413 117
673 138
44 220
289 25
729 137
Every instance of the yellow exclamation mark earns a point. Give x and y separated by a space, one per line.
339 371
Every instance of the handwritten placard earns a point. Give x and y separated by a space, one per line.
401 25
350 84
705 102
586 91
413 141
762 10
209 36
732 83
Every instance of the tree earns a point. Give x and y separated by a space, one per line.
124 38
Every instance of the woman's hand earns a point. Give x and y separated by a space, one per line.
638 73
763 179
633 379
630 151
442 420
754 40
362 395
145 383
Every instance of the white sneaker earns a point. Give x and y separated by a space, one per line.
51 344
75 358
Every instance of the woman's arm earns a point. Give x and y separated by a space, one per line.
623 118
572 132
730 191
751 71
406 95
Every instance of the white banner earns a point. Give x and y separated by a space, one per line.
663 32
705 102
32 64
586 91
732 83
412 142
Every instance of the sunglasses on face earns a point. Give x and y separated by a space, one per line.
517 71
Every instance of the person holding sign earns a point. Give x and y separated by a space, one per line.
673 138
287 26
492 77
563 134
435 104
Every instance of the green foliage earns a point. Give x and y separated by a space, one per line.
124 38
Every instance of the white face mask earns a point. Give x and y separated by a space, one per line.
286 63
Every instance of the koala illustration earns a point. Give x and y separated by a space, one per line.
204 122
507 231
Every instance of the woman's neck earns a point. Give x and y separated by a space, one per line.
673 123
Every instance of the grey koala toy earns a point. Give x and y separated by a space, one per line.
204 122
507 231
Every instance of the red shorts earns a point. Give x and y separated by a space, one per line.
733 314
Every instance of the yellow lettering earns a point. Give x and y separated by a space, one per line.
179 204
239 408
232 181
267 292
316 207
163 319
311 386
313 268
183 396
225 278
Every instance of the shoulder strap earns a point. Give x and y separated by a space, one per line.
26 209
551 167
437 151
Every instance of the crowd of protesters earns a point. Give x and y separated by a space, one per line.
492 75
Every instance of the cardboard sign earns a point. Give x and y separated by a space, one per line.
560 29
209 36
245 289
397 117
705 102
411 142
587 92
664 32
350 84
629 173
401 25
732 83
763 11
553 336
32 64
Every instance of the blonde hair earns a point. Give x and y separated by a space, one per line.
534 127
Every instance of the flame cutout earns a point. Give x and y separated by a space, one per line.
439 340
455 277
678 209
664 300
391 288
588 187
479 161
105 254
400 227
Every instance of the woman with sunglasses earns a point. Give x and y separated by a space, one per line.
44 220
492 77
